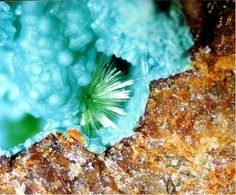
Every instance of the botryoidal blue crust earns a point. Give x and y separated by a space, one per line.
7 29
152 41
135 31
52 58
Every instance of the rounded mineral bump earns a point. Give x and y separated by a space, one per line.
45 25
85 79
90 65
34 94
65 57
55 100
18 10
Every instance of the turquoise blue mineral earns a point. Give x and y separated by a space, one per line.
7 29
48 53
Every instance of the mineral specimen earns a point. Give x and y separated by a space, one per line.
185 143
54 52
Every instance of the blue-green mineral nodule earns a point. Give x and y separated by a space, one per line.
83 64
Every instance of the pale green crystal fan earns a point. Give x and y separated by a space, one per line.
104 97
49 65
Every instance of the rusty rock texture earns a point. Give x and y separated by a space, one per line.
185 142
212 24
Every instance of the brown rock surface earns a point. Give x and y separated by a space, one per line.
185 142
212 24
